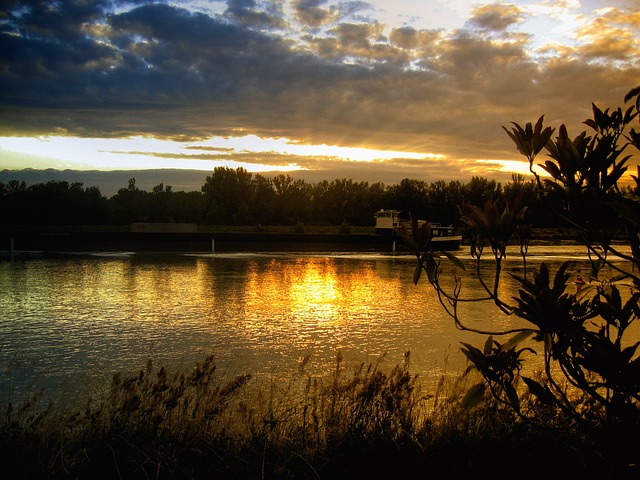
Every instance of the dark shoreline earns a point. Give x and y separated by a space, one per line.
17 241
32 241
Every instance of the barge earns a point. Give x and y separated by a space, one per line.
388 222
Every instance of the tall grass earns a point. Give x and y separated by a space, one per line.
362 420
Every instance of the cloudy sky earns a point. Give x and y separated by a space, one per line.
375 90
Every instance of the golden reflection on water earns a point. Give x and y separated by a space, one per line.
314 291
290 306
263 311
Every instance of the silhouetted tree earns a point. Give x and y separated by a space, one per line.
127 205
292 199
229 193
443 200
236 197
54 202
410 196
479 190
263 208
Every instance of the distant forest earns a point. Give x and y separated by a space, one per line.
237 197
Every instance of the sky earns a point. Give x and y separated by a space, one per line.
375 90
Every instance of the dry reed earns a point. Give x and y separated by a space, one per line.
362 420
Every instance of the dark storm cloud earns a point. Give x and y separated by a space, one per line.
41 44
133 68
151 59
182 72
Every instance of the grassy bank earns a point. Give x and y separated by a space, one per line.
359 421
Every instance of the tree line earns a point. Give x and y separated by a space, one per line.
238 197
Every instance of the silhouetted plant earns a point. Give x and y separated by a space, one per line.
588 339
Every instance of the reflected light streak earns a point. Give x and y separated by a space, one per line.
313 296
315 293
302 291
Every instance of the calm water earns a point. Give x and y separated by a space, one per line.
70 322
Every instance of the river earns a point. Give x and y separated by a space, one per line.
69 323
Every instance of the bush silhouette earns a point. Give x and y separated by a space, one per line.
591 374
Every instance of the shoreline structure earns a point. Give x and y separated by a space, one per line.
19 241
43 241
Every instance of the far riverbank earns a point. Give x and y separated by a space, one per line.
50 239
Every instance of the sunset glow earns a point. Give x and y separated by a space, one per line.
145 152
375 91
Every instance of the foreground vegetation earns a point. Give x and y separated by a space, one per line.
588 340
361 421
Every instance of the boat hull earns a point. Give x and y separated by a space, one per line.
453 242
438 244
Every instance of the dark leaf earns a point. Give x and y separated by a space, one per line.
488 345
512 395
518 338
431 267
455 260
474 355
591 123
552 169
634 92
541 393
417 272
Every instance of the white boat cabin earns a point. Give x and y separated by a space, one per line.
388 222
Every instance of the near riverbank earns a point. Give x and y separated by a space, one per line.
362 421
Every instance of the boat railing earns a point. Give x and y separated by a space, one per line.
438 229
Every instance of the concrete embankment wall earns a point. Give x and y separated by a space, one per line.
188 242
